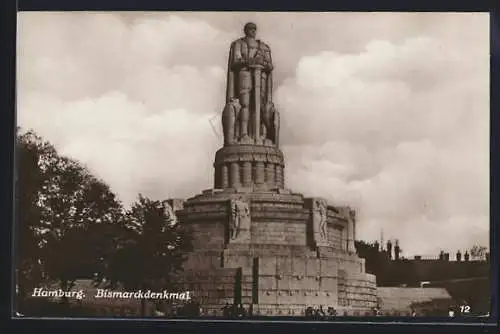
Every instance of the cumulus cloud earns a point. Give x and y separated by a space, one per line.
385 112
133 102
399 130
151 60
132 150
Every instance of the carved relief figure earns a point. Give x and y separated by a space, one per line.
230 116
320 221
240 217
249 79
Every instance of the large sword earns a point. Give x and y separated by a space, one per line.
256 74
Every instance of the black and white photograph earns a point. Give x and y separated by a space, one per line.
252 165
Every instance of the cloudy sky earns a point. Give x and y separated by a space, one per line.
387 112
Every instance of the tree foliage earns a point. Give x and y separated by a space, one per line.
59 206
151 249
71 226
478 252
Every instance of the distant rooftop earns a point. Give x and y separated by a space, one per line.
396 298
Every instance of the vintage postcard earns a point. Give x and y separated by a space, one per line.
246 165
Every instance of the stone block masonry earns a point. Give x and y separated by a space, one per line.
249 166
280 264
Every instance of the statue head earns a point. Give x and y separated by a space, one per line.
250 29
352 214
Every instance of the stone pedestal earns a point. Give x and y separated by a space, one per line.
249 166
276 266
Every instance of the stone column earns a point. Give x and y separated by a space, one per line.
354 230
348 236
283 176
254 173
345 238
234 175
279 176
224 176
270 175
247 174
351 248
217 177
259 172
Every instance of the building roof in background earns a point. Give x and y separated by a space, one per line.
396 298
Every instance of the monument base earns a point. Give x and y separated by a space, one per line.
275 267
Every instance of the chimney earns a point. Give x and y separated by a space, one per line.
397 250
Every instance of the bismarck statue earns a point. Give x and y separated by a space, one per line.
250 157
256 242
250 82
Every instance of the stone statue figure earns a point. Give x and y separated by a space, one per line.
169 212
240 216
249 78
320 225
271 123
230 116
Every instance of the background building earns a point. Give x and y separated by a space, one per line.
465 278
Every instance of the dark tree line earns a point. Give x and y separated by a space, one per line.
70 225
391 270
